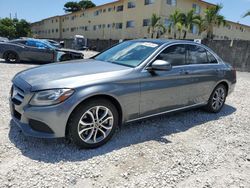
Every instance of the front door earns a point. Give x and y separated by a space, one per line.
166 90
38 51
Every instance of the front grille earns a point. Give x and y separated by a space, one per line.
17 95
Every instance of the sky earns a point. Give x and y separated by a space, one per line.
34 10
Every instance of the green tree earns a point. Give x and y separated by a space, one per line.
212 19
247 14
176 23
72 6
7 28
156 27
23 28
190 19
13 28
85 4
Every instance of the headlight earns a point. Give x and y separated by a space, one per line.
50 97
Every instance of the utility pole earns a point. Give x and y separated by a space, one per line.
10 15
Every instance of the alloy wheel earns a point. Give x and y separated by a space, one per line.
95 124
218 98
12 58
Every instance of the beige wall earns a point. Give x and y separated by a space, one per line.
75 23
48 28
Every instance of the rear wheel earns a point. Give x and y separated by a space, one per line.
12 57
93 123
217 99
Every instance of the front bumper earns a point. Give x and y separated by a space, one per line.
41 122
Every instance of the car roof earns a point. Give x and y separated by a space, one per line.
166 41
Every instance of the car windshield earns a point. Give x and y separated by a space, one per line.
49 44
129 53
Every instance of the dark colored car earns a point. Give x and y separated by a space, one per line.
86 100
36 51
4 39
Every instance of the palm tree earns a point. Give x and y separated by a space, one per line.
156 26
247 14
213 18
176 22
189 20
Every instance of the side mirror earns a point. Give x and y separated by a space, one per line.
160 65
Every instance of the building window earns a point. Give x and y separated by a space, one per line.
63 30
119 8
103 25
99 26
72 29
130 24
52 21
56 30
96 13
94 27
108 25
197 9
109 9
56 20
149 2
118 25
131 5
171 2
86 28
146 22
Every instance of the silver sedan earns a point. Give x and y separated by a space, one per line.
86 100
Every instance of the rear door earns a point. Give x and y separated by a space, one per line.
38 51
203 70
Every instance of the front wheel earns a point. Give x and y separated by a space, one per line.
12 57
93 123
217 99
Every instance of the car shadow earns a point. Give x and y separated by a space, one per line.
154 129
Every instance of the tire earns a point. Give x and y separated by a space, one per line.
87 131
12 57
217 99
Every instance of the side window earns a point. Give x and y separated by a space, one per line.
211 58
36 44
41 45
175 55
196 55
31 43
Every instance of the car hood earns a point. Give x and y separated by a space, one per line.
71 74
